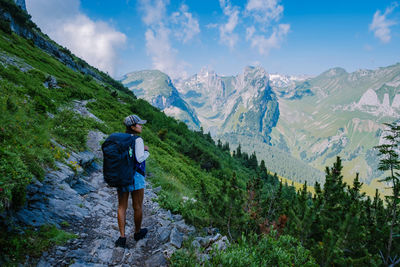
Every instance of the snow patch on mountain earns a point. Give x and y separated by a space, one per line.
279 80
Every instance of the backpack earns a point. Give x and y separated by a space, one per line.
119 161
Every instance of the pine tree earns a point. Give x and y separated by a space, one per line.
333 195
219 144
301 215
331 217
226 147
253 163
263 170
239 151
235 200
354 228
390 162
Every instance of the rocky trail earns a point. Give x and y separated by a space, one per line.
76 198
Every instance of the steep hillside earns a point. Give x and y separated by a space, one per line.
157 88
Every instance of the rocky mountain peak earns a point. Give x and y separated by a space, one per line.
206 72
258 72
334 72
252 81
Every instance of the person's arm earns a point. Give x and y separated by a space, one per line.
140 153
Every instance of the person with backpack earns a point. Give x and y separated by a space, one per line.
124 168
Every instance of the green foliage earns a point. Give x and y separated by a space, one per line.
16 246
21 17
24 144
265 250
5 26
390 161
71 129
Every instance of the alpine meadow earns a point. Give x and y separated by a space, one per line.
251 169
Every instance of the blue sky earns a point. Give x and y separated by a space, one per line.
181 37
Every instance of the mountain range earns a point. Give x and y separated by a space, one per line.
301 122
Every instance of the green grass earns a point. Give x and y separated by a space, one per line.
253 251
16 246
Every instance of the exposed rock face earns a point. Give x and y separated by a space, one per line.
370 103
369 98
242 104
21 4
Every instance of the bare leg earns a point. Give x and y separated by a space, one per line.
137 203
122 206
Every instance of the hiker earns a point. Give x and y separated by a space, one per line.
134 127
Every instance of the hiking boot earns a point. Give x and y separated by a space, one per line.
121 242
141 234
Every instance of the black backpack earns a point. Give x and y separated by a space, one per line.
119 161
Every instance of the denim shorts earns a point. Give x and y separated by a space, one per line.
139 184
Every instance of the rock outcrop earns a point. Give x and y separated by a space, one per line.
21 4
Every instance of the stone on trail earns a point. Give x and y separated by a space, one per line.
164 233
156 260
176 238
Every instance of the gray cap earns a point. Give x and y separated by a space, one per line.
132 120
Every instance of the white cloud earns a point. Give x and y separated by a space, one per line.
161 27
154 11
163 55
266 14
226 31
381 24
264 44
262 29
265 11
188 26
95 41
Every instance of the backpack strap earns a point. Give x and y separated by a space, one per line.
137 169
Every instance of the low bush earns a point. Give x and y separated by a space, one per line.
16 246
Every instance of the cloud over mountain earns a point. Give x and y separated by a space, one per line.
161 27
95 41
263 30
